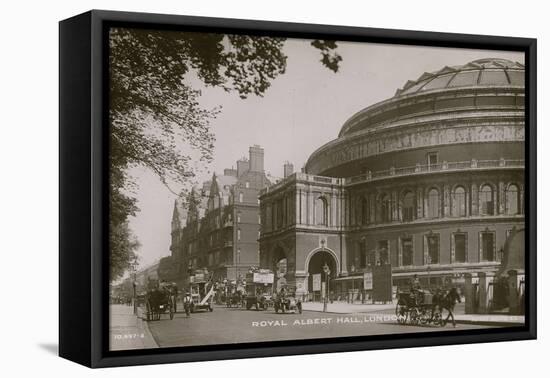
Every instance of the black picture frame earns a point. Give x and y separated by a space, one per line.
83 228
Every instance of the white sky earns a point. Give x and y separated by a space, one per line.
303 109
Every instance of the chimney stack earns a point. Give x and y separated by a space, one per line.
230 172
243 166
288 169
256 158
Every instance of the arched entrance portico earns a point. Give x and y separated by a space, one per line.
315 263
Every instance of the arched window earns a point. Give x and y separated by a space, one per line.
486 200
386 208
408 209
280 213
364 211
321 211
459 202
512 200
433 203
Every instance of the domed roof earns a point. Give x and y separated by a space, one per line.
482 72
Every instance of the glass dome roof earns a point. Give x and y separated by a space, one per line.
482 72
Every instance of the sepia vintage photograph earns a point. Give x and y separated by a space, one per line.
267 188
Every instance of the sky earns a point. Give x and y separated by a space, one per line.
302 110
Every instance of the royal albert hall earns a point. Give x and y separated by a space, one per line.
430 181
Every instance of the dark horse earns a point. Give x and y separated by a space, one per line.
446 300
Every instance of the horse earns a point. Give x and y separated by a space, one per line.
446 301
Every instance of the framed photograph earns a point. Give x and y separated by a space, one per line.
234 188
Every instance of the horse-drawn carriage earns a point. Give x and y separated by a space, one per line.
416 306
158 302
234 299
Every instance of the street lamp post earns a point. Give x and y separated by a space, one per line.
326 270
352 268
134 284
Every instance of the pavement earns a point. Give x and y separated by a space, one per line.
128 331
389 309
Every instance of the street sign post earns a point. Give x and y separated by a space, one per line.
317 282
326 270
367 280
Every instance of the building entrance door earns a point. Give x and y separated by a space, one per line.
317 280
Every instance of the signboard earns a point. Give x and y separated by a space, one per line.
317 282
323 289
367 280
265 278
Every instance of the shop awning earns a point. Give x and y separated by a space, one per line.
348 278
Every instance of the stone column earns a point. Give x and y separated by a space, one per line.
343 257
467 197
297 206
501 208
372 208
345 209
485 291
426 200
514 293
378 208
475 200
395 205
471 282
419 203
446 201
310 207
353 209
332 210
521 200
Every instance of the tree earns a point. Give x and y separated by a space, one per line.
155 117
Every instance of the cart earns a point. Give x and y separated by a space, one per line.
158 302
416 307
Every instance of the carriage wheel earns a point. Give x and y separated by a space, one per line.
424 316
401 314
413 314
437 318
